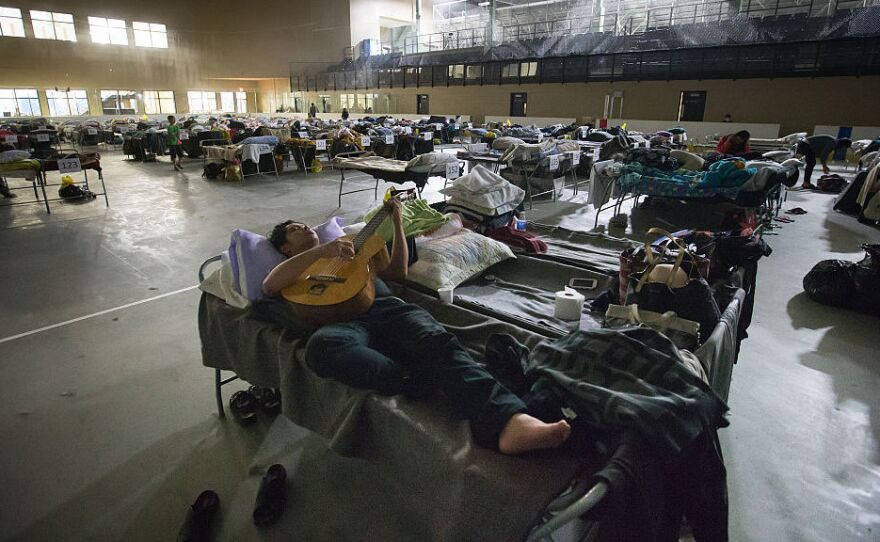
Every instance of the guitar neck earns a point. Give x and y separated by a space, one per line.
370 229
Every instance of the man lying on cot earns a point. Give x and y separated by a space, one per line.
818 146
398 347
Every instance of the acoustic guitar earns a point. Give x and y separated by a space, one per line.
335 290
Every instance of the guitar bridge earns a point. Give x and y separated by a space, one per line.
325 278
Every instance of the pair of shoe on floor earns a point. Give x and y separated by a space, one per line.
269 506
245 403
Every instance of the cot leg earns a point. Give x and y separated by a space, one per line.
103 188
375 191
528 179
341 182
217 384
42 180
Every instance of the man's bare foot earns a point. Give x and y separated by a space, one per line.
524 433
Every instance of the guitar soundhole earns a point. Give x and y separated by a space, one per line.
317 289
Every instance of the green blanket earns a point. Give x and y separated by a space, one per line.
418 218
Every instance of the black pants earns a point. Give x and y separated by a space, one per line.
175 151
809 160
395 340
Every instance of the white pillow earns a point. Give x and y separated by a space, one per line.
449 261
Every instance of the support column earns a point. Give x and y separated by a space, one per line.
491 33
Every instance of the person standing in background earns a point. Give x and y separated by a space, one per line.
344 113
313 111
173 140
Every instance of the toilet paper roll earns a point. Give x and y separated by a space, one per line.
569 305
445 295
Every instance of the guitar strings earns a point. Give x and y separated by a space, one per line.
335 264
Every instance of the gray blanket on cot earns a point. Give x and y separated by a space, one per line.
478 494
595 251
522 292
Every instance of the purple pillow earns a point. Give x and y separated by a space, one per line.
251 257
330 230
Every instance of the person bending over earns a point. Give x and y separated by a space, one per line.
818 147
398 347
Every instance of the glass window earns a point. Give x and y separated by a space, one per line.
528 69
53 26
110 31
150 35
118 102
241 102
159 101
510 71
456 71
63 103
367 101
202 101
19 102
227 102
11 25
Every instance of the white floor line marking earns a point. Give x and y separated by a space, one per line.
94 314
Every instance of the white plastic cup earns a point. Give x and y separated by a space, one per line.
445 295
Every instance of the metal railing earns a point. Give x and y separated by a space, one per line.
624 22
438 41
630 22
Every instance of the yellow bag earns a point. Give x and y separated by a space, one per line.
233 172
66 180
316 166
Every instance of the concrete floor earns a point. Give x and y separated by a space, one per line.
109 423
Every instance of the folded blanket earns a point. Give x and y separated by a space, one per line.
485 192
256 140
431 162
20 165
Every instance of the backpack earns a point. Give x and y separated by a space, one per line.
72 191
831 183
212 170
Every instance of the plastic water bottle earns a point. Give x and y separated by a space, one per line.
520 223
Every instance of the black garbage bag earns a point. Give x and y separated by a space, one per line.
830 282
866 280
